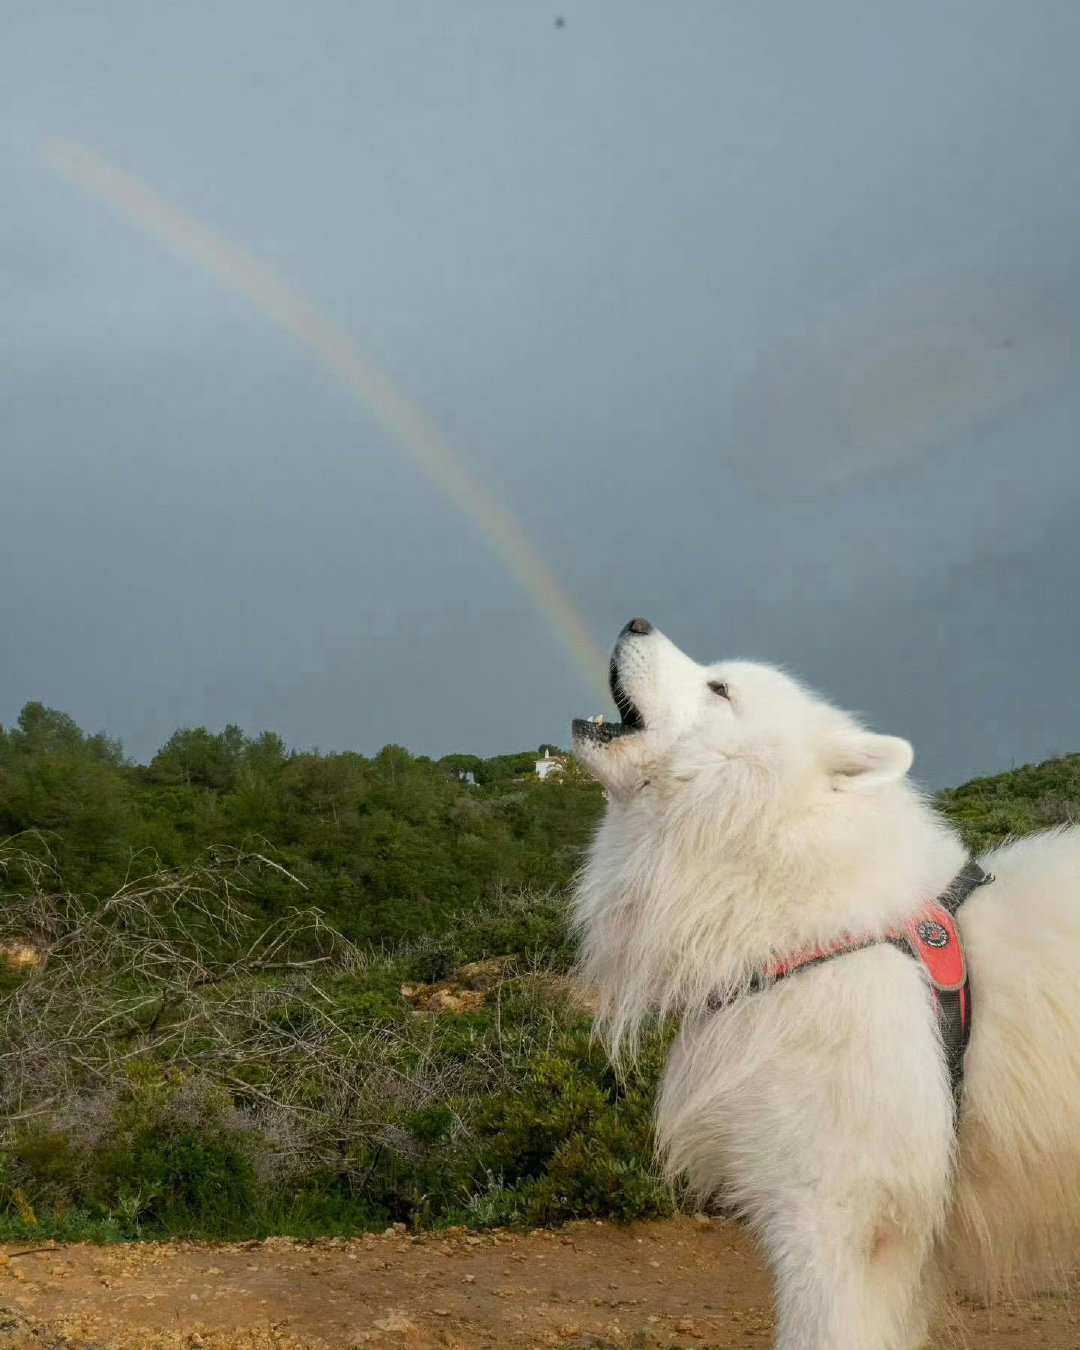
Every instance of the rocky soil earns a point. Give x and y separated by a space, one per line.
657 1286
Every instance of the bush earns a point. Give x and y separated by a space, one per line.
575 1140
987 811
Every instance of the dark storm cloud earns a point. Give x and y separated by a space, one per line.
763 320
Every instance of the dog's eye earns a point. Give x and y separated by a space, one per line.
720 688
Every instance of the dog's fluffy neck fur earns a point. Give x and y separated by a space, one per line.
673 909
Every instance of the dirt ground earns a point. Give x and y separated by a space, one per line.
657 1286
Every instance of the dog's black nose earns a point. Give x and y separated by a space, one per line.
641 626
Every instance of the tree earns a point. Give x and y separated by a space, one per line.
457 766
199 758
45 729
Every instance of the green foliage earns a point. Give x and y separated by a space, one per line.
184 1181
576 1140
503 1113
197 758
1035 797
162 1158
390 847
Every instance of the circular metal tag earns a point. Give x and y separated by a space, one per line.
933 933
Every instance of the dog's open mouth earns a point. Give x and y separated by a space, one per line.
586 729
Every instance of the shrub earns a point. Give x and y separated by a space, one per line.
575 1140
988 810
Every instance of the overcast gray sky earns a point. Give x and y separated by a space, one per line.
764 318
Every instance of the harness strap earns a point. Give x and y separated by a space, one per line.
954 1005
968 879
930 937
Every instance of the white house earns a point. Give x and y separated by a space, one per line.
549 764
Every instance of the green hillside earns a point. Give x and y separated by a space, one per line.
388 847
1035 797
245 990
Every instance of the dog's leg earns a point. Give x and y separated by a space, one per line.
844 1285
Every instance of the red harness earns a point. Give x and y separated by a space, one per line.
931 937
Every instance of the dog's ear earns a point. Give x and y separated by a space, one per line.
862 760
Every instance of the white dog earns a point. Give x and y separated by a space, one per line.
749 821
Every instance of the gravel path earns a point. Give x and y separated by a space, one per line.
656 1286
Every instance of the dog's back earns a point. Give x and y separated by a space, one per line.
1017 1207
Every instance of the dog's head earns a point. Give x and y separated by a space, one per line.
726 728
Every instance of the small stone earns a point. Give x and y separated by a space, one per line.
397 1323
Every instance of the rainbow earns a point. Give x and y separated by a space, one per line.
291 310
